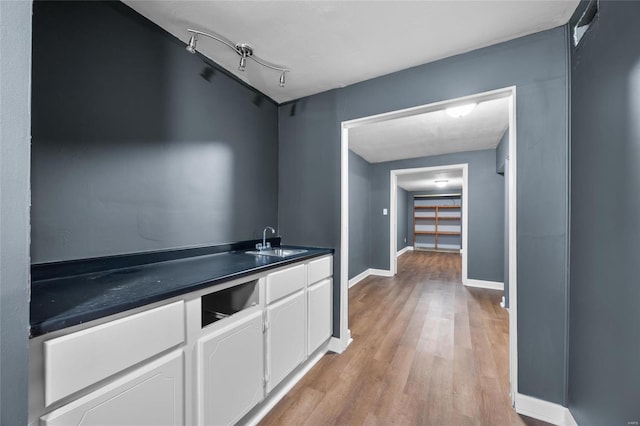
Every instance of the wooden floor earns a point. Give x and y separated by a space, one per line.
426 351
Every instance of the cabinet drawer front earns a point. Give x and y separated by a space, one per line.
320 269
283 283
151 395
80 359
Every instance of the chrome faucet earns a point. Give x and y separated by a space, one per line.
265 244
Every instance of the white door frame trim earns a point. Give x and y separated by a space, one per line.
509 92
393 207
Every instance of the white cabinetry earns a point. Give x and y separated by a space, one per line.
285 282
209 358
78 360
285 337
319 314
148 396
231 371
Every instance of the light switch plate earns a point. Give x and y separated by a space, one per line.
384 212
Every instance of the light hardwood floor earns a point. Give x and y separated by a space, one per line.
426 351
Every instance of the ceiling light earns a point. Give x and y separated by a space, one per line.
244 50
441 183
461 110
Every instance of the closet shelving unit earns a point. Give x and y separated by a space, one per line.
441 219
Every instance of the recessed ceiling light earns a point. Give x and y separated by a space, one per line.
461 110
441 183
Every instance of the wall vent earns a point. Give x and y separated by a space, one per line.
584 23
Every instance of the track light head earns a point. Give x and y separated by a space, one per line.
191 47
282 80
244 50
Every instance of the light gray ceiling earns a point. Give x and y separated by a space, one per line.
330 44
432 133
425 181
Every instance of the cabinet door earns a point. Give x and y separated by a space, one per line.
319 315
152 395
231 371
285 337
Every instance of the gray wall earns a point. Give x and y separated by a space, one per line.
309 179
537 66
359 214
604 385
486 220
402 213
133 149
15 91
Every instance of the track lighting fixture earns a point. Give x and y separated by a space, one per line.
244 50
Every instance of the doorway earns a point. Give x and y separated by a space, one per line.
507 93
393 203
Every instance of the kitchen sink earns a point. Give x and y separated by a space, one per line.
277 252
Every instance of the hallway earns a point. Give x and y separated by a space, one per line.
425 351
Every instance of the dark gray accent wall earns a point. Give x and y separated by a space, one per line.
486 214
139 145
537 66
604 377
15 91
309 179
359 214
402 199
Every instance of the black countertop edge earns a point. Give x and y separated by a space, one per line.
67 268
61 322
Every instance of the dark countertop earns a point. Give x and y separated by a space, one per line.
61 302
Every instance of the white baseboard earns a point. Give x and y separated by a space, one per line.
339 345
493 285
361 276
404 250
364 274
568 419
544 410
381 272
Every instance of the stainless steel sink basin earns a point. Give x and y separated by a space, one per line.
277 252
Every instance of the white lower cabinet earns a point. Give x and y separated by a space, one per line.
231 371
151 395
319 314
141 370
286 333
